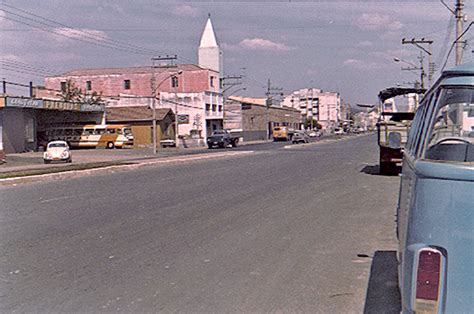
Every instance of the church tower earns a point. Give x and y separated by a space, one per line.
210 55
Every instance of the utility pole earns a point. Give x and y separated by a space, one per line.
166 62
271 91
227 83
418 43
459 30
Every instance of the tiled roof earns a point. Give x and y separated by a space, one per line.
136 113
249 100
132 70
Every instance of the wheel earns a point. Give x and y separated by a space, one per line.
110 145
234 142
386 168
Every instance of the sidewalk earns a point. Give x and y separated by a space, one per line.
31 163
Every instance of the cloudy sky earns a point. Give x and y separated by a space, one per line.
343 46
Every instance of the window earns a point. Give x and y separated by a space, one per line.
450 137
219 108
174 81
208 107
110 131
88 85
212 81
126 84
63 86
214 108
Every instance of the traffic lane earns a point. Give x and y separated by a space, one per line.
159 241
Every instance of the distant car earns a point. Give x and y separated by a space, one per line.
57 151
314 134
338 131
222 138
300 137
168 143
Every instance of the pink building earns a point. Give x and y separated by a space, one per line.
193 92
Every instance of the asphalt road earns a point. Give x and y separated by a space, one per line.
304 229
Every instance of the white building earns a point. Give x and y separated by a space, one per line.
325 107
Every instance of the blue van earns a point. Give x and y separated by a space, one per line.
435 213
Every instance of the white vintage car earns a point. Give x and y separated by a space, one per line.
57 151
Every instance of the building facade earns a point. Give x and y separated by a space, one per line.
23 118
255 120
324 107
192 92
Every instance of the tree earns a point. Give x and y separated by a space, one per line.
316 125
71 93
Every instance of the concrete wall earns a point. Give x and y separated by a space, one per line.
15 130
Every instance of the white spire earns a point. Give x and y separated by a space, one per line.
208 38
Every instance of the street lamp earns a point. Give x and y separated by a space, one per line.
414 67
154 89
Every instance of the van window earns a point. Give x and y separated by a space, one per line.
450 137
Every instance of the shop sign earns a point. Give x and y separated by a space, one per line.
24 103
61 105
52 105
92 107
183 118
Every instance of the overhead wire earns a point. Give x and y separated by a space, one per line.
31 19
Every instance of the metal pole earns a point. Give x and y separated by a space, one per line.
154 125
153 90
176 114
459 31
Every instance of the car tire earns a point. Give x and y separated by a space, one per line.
110 145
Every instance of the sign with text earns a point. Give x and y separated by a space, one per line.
20 102
183 118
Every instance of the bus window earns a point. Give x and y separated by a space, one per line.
99 131
77 132
110 131
89 131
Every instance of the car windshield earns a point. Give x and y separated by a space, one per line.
51 145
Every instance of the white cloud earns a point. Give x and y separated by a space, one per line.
185 10
376 21
83 33
362 65
258 44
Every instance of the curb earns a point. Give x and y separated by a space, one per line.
115 168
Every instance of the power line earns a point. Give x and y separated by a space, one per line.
72 33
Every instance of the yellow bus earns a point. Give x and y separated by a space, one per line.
89 136
281 133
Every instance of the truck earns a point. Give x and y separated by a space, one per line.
393 126
222 139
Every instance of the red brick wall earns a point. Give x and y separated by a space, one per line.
112 85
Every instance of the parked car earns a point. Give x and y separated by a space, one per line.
339 131
57 151
435 208
168 143
314 134
300 137
222 138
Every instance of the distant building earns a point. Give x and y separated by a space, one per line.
325 107
22 118
140 119
192 92
254 119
